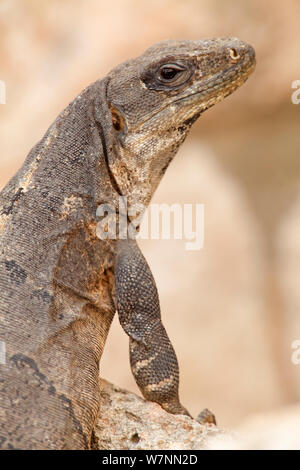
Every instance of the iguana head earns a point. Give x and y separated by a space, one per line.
155 99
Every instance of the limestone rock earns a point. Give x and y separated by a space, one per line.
129 422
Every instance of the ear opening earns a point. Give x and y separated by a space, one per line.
117 119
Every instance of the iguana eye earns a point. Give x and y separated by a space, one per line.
172 73
168 76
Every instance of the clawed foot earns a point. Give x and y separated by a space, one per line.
206 417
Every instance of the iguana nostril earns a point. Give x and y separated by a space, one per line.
234 54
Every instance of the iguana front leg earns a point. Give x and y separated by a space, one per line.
152 356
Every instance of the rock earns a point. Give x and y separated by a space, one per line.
128 422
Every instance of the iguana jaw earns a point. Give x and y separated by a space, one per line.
206 92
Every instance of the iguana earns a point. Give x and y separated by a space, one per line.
60 283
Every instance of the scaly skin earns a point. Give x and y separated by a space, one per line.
60 284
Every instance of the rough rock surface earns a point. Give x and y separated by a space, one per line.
129 422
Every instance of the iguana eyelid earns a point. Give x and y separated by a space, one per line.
153 80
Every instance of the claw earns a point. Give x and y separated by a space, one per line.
206 417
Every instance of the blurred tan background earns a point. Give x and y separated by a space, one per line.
232 308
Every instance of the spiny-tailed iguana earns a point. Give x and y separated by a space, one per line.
61 284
